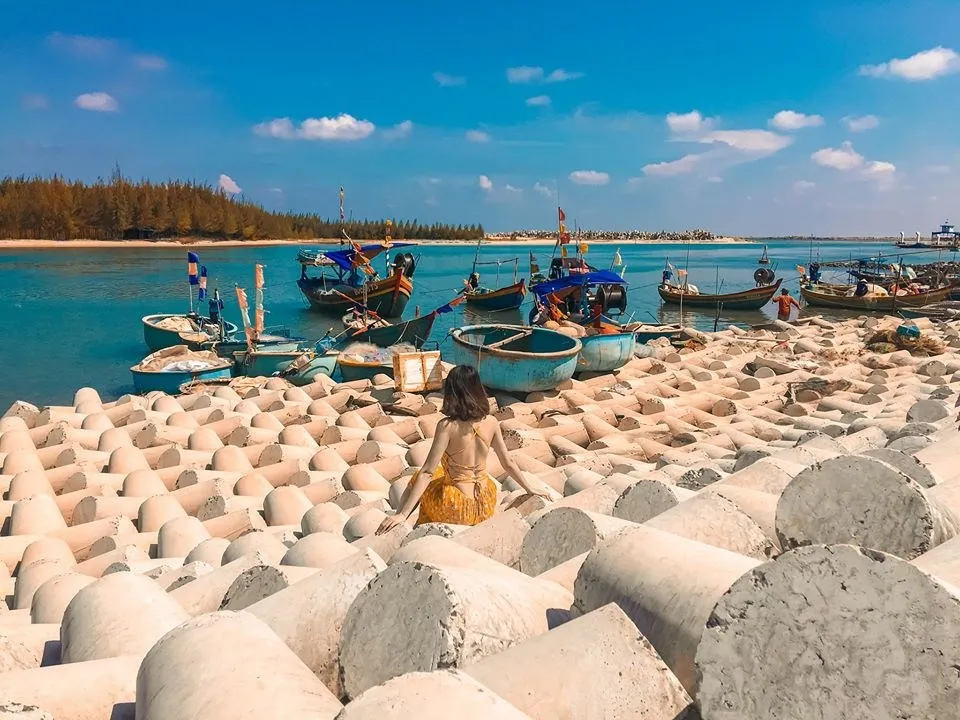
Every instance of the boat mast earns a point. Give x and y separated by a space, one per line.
342 228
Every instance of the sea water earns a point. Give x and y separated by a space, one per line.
71 316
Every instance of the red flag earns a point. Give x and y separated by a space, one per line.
563 215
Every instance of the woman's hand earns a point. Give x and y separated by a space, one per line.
389 522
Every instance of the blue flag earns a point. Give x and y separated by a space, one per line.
203 283
193 261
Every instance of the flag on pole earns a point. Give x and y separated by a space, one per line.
258 300
561 214
563 237
450 305
193 274
617 260
202 293
244 306
341 205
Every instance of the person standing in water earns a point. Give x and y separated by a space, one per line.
453 485
784 303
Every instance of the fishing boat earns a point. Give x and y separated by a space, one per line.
498 299
167 369
946 238
514 358
300 367
415 331
752 299
352 279
646 333
605 353
582 295
362 361
764 258
947 310
165 330
832 296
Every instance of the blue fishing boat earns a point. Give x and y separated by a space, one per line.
167 369
604 353
514 358
500 300
165 330
585 296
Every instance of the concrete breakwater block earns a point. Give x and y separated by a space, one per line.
822 631
596 666
864 501
667 585
19 711
260 582
646 499
564 533
309 615
120 614
230 665
431 696
441 617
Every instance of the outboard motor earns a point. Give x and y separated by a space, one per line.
404 263
612 297
763 276
556 268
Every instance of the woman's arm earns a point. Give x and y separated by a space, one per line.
503 455
415 491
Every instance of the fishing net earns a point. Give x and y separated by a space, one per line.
180 358
888 341
177 324
369 353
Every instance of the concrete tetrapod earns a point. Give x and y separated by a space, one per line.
309 615
431 696
596 666
864 501
667 585
832 631
120 614
565 533
230 664
260 582
441 617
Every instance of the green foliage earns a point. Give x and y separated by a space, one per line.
57 209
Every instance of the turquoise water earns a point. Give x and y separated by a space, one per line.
71 317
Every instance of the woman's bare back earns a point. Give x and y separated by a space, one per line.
467 450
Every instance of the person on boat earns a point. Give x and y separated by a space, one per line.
815 272
667 276
862 289
214 306
473 282
784 304
453 485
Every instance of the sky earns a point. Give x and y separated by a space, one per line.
822 117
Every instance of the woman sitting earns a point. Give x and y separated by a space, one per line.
453 485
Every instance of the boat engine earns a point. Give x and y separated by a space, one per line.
612 297
763 276
405 263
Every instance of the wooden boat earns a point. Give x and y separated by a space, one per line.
645 333
357 369
237 343
488 301
604 353
514 358
165 330
355 282
752 299
764 258
167 369
415 331
834 297
299 366
947 310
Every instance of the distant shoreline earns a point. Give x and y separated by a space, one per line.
29 244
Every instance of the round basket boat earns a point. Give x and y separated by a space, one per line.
514 358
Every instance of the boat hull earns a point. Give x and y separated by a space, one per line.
644 336
507 298
752 299
324 364
170 382
540 360
414 331
887 304
388 298
158 338
351 370
604 353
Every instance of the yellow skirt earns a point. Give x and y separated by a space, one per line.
444 502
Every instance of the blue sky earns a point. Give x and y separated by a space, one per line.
756 118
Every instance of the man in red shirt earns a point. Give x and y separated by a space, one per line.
784 303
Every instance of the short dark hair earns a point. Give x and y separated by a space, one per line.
784 291
463 395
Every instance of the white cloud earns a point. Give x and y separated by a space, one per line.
762 142
343 127
230 187
525 75
538 101
589 177
684 165
862 123
714 179
791 120
510 188
801 186
34 101
925 65
543 190
97 102
477 136
81 45
400 130
150 62
445 80
879 168
843 158
278 191
690 123
485 183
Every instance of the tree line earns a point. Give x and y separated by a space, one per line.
118 209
